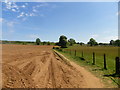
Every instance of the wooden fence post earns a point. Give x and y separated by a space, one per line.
93 58
117 66
105 62
75 52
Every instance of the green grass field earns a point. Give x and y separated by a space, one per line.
111 54
110 51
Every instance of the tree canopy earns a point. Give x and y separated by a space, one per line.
71 41
92 42
38 41
63 41
115 43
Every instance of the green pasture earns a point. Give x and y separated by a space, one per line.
110 52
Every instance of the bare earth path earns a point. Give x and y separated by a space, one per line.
26 66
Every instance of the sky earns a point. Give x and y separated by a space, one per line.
26 21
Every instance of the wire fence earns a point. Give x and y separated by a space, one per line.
101 60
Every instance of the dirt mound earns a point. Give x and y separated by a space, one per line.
15 78
38 67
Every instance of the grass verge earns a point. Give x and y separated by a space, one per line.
106 75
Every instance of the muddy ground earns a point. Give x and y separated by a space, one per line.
29 66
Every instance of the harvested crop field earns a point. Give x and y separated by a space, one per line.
29 66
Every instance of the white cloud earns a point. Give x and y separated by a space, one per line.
105 36
33 36
23 6
26 14
10 24
1 20
34 10
24 19
118 13
13 10
108 38
21 14
42 5
75 0
111 38
26 3
22 10
8 5
13 6
32 14
64 0
95 36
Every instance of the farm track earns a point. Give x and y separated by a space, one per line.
43 69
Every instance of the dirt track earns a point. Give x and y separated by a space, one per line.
26 66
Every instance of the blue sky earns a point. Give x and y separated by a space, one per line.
26 21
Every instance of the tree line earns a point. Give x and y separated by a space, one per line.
64 43
27 42
38 42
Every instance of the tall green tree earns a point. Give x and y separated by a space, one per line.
38 41
71 41
48 43
63 41
112 42
92 42
81 43
117 42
